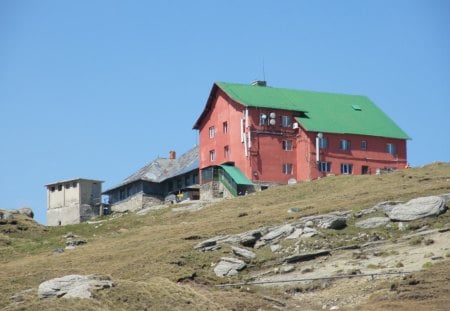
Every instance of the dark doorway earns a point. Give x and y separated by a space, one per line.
364 170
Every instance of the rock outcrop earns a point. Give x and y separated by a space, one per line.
373 222
229 266
422 207
73 286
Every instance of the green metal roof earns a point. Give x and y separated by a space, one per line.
235 173
322 112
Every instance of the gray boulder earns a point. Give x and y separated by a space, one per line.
73 286
6 215
26 211
373 222
242 252
228 266
333 222
278 232
422 207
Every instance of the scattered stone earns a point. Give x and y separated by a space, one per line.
26 211
278 233
70 235
75 242
437 258
306 256
373 222
207 244
6 215
275 248
19 298
295 235
333 222
242 214
422 207
307 270
73 286
402 226
309 224
192 237
309 232
58 250
244 253
287 269
250 238
228 266
294 210
259 244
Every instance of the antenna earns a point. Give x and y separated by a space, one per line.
263 70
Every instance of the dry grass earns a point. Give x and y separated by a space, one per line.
148 255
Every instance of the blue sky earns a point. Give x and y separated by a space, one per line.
97 89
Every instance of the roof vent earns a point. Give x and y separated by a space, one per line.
259 83
356 107
172 155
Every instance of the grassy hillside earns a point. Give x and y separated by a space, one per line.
151 258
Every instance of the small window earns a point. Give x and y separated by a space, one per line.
196 178
211 132
187 180
179 184
325 166
364 145
225 127
74 184
67 186
344 144
391 149
52 188
286 121
263 119
323 143
287 168
346 168
226 152
59 187
212 155
287 145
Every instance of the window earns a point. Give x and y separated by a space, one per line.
226 152
74 184
364 145
286 121
195 178
52 188
170 186
263 119
323 143
212 132
59 187
344 144
212 155
346 168
187 180
390 148
225 127
179 184
325 166
67 186
287 145
287 168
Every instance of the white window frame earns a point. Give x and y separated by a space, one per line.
325 167
364 145
287 145
212 155
288 168
263 121
323 143
212 132
286 121
344 144
346 168
391 148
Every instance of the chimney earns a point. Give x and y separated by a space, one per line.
172 155
259 83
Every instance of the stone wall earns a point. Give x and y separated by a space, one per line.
136 202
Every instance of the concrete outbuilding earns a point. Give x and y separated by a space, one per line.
73 201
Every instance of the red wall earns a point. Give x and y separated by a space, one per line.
266 156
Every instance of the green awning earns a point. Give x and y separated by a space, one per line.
236 174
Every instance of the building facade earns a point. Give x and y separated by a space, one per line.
73 201
162 179
280 136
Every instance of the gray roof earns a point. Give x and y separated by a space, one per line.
162 168
73 179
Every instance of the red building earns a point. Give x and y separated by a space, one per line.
260 135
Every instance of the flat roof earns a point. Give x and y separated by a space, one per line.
73 179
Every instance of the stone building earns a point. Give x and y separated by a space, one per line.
73 201
161 180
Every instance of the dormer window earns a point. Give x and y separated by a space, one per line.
286 121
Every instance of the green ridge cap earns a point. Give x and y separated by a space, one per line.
322 112
236 174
